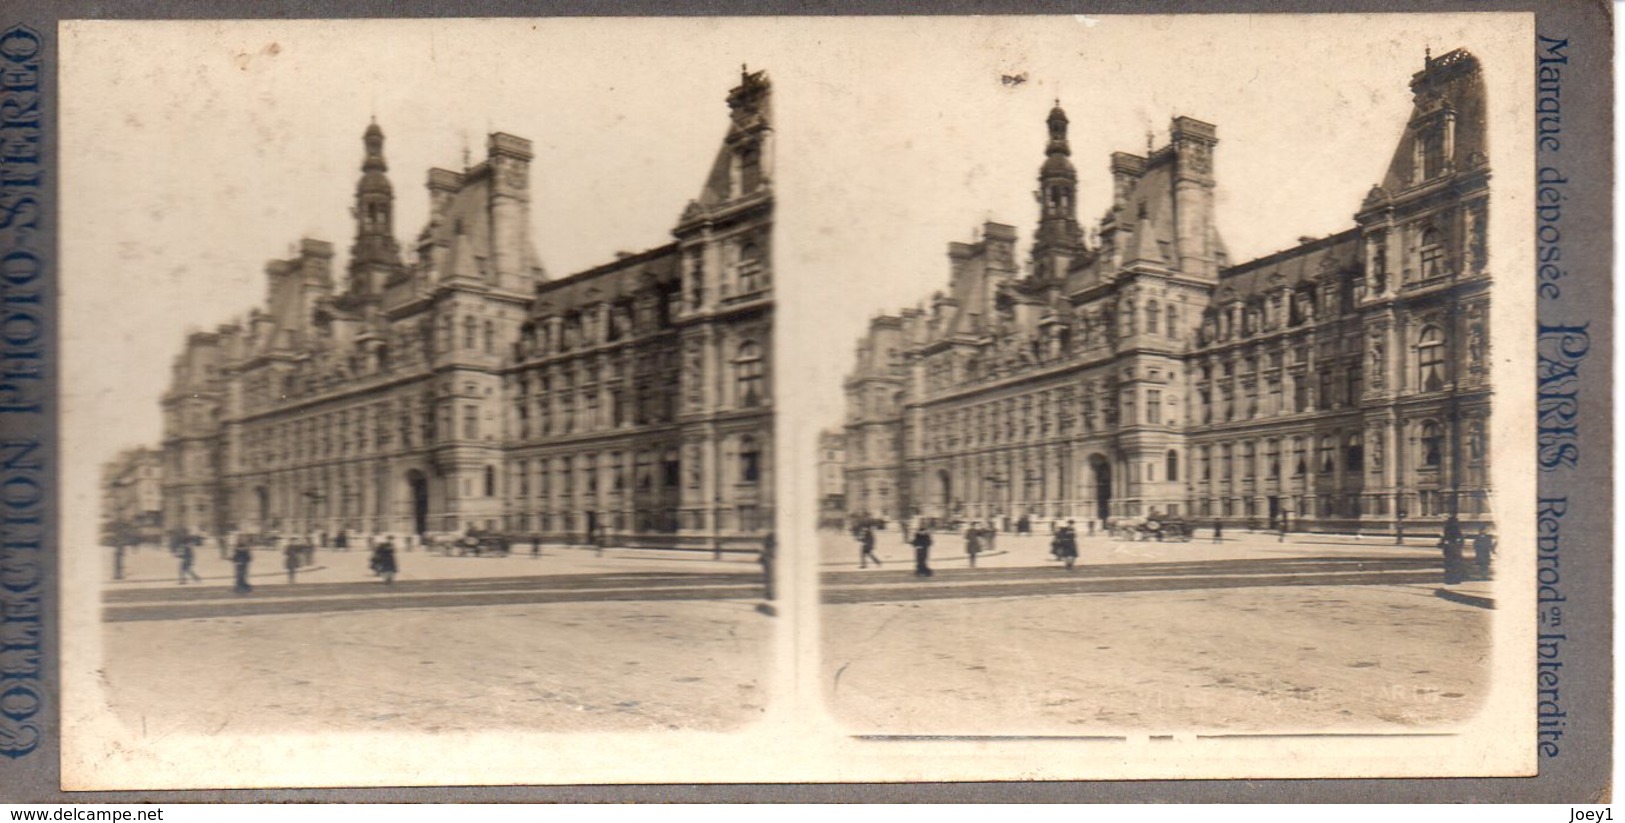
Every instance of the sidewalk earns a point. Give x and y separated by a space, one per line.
157 568
840 550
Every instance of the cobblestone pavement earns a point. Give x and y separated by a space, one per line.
1252 635
570 641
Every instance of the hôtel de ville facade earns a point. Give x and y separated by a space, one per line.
1135 369
449 383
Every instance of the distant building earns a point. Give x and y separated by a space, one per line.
832 511
451 385
132 493
1342 384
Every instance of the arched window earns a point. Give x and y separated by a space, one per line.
1173 322
1249 458
1171 470
752 272
1152 313
1432 443
671 468
1430 359
748 374
1328 457
1300 461
1128 318
750 460
490 481
490 337
1432 254
1272 459
1354 453
470 327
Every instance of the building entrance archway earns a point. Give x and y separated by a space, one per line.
418 485
262 506
1101 473
945 488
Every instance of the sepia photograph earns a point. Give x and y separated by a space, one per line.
429 394
851 399
1173 406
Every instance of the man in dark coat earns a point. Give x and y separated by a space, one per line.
188 557
922 553
1483 547
767 556
290 559
239 563
1218 530
866 544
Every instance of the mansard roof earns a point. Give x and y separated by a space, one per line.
1452 83
1307 262
609 282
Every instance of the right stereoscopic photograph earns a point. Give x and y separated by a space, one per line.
1175 384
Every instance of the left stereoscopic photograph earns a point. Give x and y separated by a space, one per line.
418 378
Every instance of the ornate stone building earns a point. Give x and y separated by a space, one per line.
132 493
832 506
451 384
1342 384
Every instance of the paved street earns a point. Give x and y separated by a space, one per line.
570 641
1248 635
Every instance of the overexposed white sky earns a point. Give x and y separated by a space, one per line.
923 141
195 151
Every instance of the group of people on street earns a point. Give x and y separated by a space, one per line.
1452 543
382 563
1064 545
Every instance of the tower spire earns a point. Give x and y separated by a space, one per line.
1058 229
375 255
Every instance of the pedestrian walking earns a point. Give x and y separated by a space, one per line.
1483 547
383 562
290 559
535 545
342 542
866 545
1282 526
767 556
239 563
188 556
1218 531
1068 548
1450 543
973 543
922 553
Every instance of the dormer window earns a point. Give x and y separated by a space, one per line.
1432 254
750 169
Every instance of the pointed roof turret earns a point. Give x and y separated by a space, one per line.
375 255
1057 191
373 167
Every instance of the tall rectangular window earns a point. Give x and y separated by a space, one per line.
1153 406
471 422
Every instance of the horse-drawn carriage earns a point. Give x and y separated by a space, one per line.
473 543
1161 528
